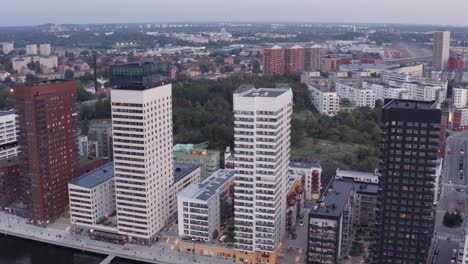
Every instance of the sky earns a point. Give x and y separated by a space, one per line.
33 12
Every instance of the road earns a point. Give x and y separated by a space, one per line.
454 195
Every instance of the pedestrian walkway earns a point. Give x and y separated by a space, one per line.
447 237
108 260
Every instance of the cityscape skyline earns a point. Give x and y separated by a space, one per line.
336 11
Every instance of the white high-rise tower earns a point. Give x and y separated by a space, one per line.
441 50
262 128
142 138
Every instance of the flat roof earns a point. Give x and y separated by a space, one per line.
367 188
304 165
183 169
345 173
334 199
101 125
210 186
9 162
409 104
95 177
5 113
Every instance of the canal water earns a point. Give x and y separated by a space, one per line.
21 251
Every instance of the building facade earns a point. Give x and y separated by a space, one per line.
7 47
409 151
44 49
325 101
92 197
353 91
273 61
441 50
313 58
142 141
48 152
31 49
9 182
294 59
100 139
8 134
262 122
185 174
203 208
330 224
311 173
460 97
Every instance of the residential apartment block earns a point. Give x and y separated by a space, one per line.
358 95
311 174
203 208
325 101
262 123
92 196
441 50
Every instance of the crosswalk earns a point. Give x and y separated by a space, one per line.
447 237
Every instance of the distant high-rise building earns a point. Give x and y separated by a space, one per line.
441 50
48 151
409 149
293 59
45 49
142 137
8 47
313 57
31 49
273 61
262 123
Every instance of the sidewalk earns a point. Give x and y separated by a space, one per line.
158 253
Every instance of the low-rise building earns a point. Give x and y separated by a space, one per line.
185 174
92 196
50 62
202 208
460 119
208 159
358 95
100 140
325 101
295 203
312 173
331 223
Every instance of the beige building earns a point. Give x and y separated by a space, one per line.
441 50
313 57
31 49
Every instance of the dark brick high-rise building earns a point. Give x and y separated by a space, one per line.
409 151
47 119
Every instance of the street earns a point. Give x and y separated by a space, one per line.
453 196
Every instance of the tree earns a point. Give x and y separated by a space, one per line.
81 94
69 74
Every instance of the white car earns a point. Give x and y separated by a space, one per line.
449 182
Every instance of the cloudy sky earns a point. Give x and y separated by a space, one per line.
31 12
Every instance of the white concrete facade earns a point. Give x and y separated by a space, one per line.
44 49
199 206
49 62
326 102
31 49
91 198
142 140
460 97
8 47
8 133
262 123
358 96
